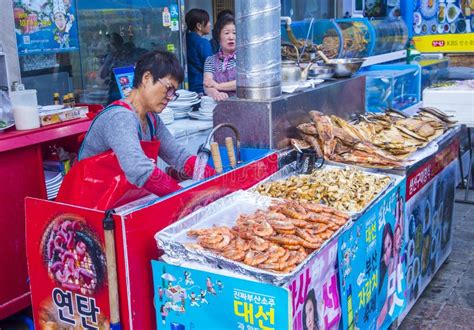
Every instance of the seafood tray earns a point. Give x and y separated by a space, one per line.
180 247
291 170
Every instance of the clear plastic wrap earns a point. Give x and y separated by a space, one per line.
173 240
292 170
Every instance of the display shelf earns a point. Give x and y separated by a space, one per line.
384 58
14 139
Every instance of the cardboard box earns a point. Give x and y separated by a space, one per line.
59 116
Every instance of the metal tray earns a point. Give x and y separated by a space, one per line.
292 170
224 211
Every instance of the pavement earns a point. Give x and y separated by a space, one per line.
448 301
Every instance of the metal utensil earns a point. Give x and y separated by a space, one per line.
344 67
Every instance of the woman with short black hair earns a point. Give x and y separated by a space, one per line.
198 48
220 70
128 136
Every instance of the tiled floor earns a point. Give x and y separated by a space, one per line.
448 302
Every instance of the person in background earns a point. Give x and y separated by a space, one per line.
215 36
220 69
198 47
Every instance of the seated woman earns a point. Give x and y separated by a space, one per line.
198 48
220 69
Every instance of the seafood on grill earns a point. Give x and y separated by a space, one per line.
344 189
377 140
276 239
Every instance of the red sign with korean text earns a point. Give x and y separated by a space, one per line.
67 266
425 173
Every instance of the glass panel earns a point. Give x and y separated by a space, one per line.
301 9
111 33
116 33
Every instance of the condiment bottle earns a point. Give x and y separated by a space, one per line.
66 101
56 99
72 100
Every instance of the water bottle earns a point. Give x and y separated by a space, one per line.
6 114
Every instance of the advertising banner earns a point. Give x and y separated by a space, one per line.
429 216
45 26
371 268
67 266
314 293
193 299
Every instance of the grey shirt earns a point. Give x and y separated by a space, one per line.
118 129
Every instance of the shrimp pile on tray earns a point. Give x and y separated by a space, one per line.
277 239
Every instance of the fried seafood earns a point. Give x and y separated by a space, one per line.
290 235
377 140
348 190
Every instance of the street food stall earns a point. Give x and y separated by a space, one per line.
336 218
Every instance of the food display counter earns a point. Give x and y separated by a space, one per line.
340 260
353 37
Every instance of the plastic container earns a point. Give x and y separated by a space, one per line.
25 109
391 35
396 86
356 37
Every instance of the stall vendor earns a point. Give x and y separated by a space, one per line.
220 69
198 48
120 149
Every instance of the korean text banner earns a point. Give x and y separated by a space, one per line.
67 266
192 299
315 294
45 26
371 266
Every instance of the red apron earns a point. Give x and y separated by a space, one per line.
98 182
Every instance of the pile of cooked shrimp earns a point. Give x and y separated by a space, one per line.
276 239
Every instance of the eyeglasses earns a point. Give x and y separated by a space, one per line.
170 91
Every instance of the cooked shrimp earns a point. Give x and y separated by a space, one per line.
254 258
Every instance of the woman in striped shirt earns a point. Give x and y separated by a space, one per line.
220 69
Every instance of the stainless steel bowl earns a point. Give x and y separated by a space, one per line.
344 67
321 72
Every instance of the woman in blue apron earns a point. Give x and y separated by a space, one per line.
117 159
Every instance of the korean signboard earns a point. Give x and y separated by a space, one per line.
45 26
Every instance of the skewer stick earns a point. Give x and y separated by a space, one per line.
109 238
216 157
229 144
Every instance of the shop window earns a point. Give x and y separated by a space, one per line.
73 45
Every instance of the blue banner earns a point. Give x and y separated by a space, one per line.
45 26
192 299
371 264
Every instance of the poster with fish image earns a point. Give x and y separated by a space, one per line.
45 26
429 216
371 268
314 292
67 266
188 298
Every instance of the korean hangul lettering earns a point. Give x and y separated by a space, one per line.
64 303
245 310
241 326
271 302
250 297
264 301
257 299
265 317
87 310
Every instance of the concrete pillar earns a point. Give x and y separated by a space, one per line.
8 39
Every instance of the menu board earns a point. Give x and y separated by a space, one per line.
45 26
442 17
